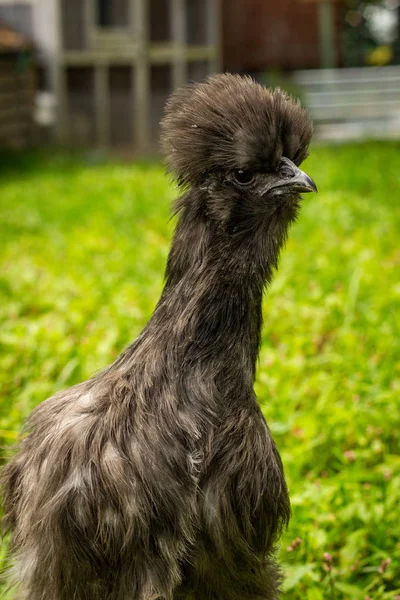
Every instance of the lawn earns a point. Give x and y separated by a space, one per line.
82 254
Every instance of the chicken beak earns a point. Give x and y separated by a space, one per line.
301 182
294 179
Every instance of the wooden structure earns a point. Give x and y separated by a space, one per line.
17 89
112 63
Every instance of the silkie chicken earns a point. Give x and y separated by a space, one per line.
158 478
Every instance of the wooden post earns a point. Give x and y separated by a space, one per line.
59 75
102 100
326 15
138 16
62 107
178 20
141 76
89 14
214 33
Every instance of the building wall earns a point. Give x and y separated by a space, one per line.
260 35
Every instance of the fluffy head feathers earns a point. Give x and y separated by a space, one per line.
231 122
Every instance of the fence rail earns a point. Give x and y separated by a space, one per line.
353 102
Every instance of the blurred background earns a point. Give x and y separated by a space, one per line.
85 233
96 73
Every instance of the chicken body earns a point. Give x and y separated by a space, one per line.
159 478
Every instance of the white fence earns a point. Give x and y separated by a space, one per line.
352 103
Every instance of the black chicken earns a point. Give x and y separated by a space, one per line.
159 478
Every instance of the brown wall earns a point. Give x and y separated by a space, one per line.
272 34
16 102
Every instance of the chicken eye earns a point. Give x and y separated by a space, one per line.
243 177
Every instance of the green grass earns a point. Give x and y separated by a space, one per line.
83 249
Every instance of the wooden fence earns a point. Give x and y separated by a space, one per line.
352 102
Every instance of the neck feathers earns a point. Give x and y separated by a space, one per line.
208 319
210 309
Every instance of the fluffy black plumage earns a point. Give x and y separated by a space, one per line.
230 123
159 478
